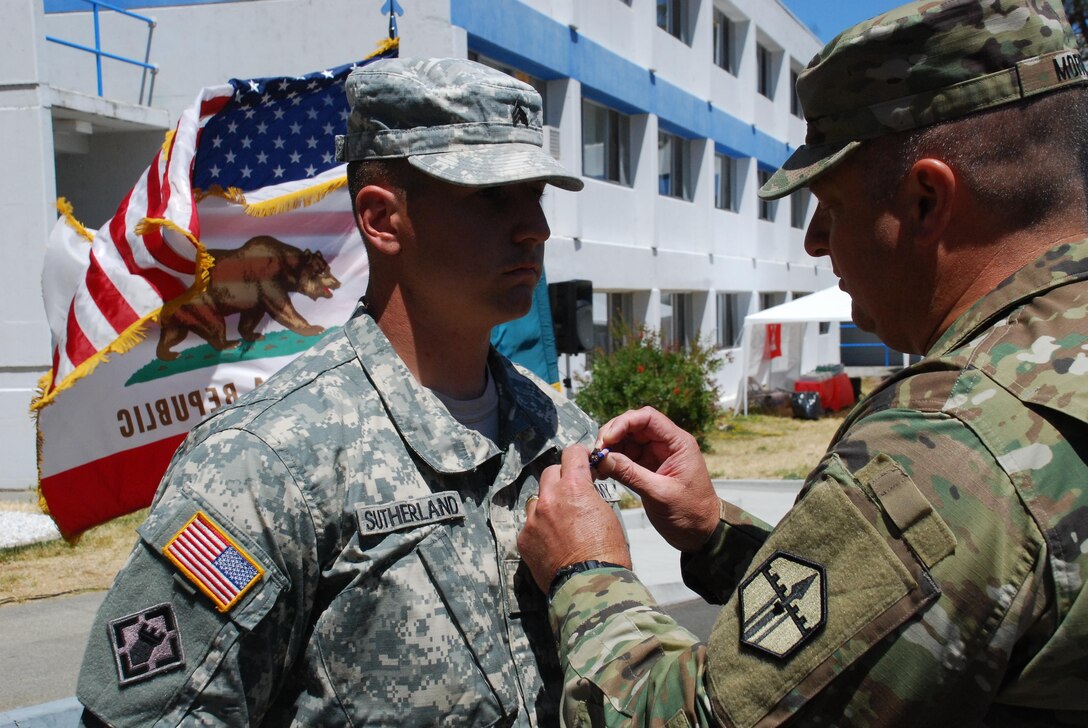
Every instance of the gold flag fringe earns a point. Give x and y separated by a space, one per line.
296 199
230 194
64 207
167 142
275 205
204 263
385 44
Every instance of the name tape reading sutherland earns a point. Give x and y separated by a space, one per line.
399 515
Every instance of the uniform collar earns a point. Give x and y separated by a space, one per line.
1060 265
526 416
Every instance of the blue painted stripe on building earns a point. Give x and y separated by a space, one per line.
518 35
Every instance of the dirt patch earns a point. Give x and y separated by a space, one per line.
56 567
759 447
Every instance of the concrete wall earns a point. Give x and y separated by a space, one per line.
26 210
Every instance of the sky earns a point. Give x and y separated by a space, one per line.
827 18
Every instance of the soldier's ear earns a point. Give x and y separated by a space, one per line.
380 216
931 188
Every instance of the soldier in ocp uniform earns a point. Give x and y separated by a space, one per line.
339 547
932 571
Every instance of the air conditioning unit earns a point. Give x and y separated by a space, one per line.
551 140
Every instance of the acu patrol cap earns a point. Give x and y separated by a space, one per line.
456 120
923 63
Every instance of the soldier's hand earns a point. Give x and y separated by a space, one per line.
663 464
570 522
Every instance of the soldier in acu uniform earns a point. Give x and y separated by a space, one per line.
932 571
339 547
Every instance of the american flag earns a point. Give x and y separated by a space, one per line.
212 561
291 140
250 141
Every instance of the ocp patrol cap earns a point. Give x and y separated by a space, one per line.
923 63
459 121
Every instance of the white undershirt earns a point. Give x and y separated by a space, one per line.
480 414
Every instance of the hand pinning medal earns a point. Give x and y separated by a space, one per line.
597 456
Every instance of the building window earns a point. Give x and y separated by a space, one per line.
540 85
725 182
613 319
606 137
723 42
764 71
795 100
672 166
767 208
732 308
671 15
770 299
799 208
677 319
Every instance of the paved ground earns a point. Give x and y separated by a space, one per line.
43 644
42 647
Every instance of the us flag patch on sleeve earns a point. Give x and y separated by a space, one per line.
213 561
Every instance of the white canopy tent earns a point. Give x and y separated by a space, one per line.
803 347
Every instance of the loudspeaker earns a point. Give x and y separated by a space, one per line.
572 315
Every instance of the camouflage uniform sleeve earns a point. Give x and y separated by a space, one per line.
625 662
714 571
162 650
903 589
906 583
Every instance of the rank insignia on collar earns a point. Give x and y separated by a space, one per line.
146 644
783 604
213 561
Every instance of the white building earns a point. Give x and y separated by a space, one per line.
674 111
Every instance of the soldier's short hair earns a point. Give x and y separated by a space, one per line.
1024 162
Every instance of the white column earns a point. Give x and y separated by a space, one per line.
28 211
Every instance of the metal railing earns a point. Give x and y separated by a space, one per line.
99 54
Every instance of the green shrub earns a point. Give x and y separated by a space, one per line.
675 381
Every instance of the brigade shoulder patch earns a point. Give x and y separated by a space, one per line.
783 604
146 644
398 515
213 561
